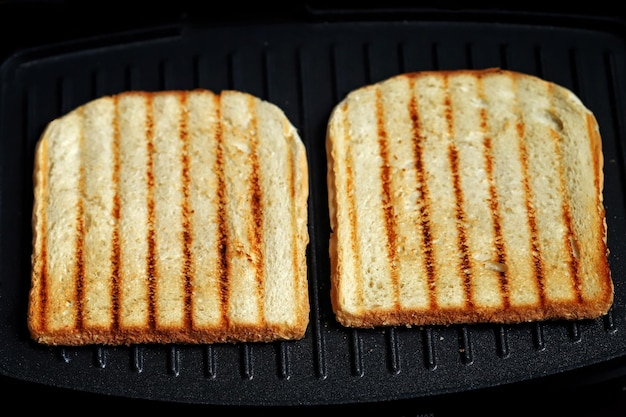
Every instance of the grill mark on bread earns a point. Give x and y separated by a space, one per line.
465 265
295 247
424 207
493 202
520 128
570 238
222 227
115 213
352 209
186 211
42 234
453 158
151 268
495 214
387 199
79 273
255 225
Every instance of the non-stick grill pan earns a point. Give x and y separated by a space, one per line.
305 67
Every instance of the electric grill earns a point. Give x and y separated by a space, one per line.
305 60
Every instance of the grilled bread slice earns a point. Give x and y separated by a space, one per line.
169 217
465 196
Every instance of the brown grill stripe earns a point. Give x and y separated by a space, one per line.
532 222
387 203
151 238
493 201
570 239
255 226
295 246
221 213
115 213
424 208
569 235
80 230
453 157
187 233
495 214
350 191
41 235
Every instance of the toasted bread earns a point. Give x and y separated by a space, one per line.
466 196
169 217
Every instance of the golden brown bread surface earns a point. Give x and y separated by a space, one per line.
169 217
465 196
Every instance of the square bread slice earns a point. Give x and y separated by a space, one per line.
169 217
465 196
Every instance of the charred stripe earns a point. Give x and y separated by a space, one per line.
187 234
221 213
493 201
424 193
151 238
115 248
453 157
570 238
42 237
350 191
532 222
255 226
387 203
80 229
295 246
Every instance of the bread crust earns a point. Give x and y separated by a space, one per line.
445 245
169 217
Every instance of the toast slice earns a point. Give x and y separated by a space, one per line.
465 196
170 217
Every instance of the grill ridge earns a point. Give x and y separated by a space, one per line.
210 366
538 337
574 332
284 364
356 347
136 358
247 368
393 351
174 360
430 358
465 346
100 357
502 342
